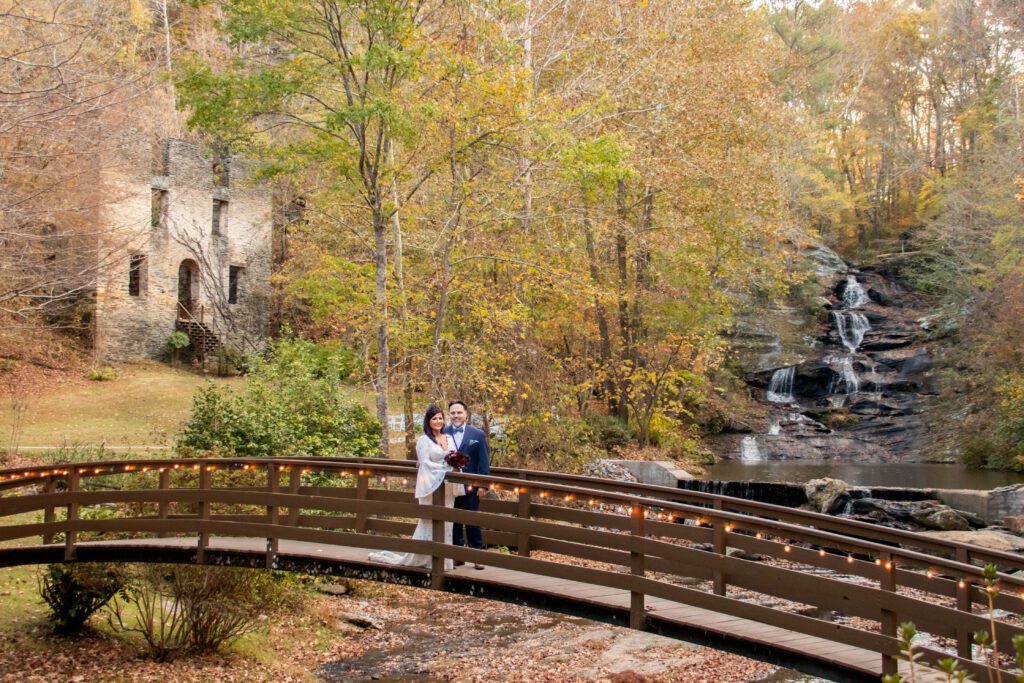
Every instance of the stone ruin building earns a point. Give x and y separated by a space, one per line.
190 251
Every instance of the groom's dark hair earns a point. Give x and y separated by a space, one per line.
459 403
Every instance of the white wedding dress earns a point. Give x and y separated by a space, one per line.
429 477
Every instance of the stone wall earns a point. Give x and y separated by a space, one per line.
136 326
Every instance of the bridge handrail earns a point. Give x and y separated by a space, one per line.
851 527
535 492
964 553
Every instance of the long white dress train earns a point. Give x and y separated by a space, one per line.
429 476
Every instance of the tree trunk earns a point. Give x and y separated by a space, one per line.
621 255
605 347
380 384
525 161
403 311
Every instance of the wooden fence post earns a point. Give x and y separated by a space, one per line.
205 482
50 514
362 492
888 618
163 507
523 512
294 482
720 548
964 637
71 536
637 608
437 535
273 514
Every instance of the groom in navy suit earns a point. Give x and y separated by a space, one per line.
473 442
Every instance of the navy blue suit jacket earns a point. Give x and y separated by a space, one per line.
474 445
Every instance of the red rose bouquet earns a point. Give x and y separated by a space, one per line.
456 459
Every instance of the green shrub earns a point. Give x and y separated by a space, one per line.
562 444
608 432
679 445
73 592
293 405
173 345
104 374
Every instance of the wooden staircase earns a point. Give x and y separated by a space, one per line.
203 338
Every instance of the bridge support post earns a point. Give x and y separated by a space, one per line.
523 512
437 536
362 492
273 514
294 483
964 637
888 619
163 507
205 481
70 536
720 548
50 514
637 606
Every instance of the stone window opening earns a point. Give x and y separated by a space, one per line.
137 275
235 274
220 215
158 209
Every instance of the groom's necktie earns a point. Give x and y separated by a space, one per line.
457 433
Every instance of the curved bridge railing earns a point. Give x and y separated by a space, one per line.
650 541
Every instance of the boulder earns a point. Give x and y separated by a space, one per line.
939 517
741 554
1014 524
993 540
830 496
826 263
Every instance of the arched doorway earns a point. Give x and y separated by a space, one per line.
188 287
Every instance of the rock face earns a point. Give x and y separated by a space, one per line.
993 540
827 495
912 515
860 392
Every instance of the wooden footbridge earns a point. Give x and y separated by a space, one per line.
826 597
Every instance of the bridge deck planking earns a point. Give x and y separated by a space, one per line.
689 618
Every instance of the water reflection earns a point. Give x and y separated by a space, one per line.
911 475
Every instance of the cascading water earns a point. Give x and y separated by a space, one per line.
749 452
854 295
780 389
851 328
846 383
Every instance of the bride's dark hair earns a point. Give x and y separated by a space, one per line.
432 410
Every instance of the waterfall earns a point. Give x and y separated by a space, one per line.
775 427
780 389
851 328
845 383
749 452
854 295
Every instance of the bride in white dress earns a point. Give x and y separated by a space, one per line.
431 448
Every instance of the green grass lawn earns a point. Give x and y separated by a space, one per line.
143 406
